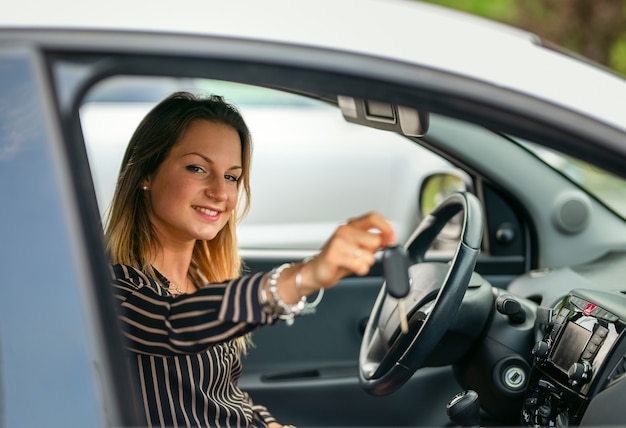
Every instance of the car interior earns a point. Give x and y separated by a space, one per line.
510 266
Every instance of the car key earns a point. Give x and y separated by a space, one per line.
396 269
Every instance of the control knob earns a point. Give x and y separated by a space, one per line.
540 350
579 373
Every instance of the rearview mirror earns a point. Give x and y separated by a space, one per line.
382 115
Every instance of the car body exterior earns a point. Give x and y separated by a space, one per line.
499 101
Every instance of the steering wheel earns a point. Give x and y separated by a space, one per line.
389 358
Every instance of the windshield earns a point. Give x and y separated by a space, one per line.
602 185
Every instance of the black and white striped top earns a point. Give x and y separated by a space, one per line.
183 350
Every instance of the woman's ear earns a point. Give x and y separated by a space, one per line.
145 185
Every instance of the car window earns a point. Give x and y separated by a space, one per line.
300 189
604 186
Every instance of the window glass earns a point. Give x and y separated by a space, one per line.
604 186
311 169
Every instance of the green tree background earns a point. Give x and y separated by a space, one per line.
595 29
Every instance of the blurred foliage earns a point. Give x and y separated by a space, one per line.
595 29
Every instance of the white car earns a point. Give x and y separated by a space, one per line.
501 162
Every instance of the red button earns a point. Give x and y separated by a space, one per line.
589 309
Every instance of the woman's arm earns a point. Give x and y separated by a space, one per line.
160 324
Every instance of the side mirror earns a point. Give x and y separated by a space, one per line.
435 188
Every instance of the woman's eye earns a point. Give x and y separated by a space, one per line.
195 168
231 177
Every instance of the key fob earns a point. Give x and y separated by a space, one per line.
396 269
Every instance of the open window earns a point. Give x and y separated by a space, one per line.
311 171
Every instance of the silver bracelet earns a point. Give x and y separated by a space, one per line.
268 307
309 307
287 311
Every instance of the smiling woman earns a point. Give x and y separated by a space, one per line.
550 248
151 153
176 269
183 157
199 177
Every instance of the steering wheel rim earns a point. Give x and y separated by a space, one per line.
387 361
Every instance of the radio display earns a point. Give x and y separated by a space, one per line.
570 346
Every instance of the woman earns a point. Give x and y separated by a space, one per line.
185 309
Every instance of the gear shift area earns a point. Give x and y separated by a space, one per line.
464 409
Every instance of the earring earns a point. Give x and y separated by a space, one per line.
144 188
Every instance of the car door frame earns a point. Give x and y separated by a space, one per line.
267 63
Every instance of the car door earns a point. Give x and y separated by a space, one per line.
311 171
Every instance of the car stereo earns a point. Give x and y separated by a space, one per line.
569 359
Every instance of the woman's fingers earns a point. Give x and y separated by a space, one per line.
352 249
376 225
356 238
370 232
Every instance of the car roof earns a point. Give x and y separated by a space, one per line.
406 31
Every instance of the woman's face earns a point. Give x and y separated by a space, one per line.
194 191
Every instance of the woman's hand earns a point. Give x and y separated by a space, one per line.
351 250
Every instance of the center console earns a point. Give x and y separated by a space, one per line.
580 353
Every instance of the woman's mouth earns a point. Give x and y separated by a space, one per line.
207 211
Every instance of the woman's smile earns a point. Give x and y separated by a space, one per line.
209 213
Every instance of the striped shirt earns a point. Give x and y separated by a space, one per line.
183 351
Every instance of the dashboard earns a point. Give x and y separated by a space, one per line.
580 355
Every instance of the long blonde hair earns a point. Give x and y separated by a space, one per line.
129 233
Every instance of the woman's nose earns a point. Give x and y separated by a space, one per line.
216 191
